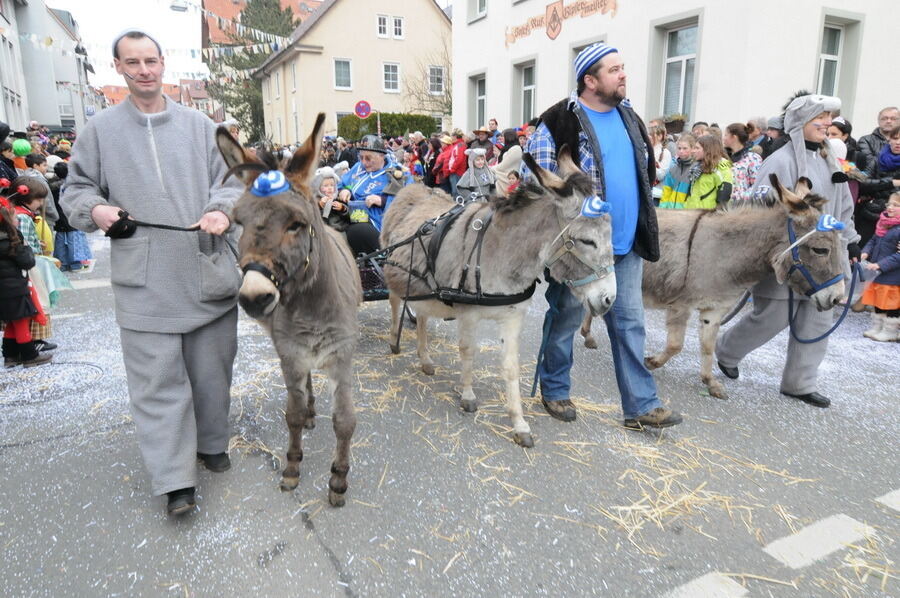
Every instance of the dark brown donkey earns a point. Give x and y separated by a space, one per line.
302 284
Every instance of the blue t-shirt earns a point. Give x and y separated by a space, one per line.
620 175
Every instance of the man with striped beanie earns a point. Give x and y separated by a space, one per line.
610 143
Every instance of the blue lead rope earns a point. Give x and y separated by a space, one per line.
552 295
856 274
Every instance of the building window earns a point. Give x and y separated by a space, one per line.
398 27
479 100
279 138
293 76
382 27
829 60
391 77
342 78
267 91
681 57
341 115
436 80
527 92
66 110
277 84
296 127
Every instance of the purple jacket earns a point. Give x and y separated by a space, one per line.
883 251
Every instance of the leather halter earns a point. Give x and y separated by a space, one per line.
265 271
568 246
797 264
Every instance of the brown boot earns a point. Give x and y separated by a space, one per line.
562 410
660 417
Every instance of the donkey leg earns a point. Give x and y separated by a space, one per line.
710 320
396 306
511 328
343 419
310 422
466 331
422 343
295 415
676 324
589 340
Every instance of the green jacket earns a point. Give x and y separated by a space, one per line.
705 189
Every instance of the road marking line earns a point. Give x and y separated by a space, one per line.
891 499
816 541
711 585
90 283
58 317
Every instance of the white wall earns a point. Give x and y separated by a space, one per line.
11 73
751 56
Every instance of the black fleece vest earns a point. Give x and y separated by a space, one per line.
565 127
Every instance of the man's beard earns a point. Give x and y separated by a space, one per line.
613 99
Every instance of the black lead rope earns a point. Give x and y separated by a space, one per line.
126 226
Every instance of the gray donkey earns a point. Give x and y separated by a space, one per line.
302 284
538 226
708 259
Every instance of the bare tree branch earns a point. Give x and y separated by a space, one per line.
418 94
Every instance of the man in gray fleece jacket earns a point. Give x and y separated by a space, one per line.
175 292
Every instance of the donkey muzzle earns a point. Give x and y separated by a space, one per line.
258 295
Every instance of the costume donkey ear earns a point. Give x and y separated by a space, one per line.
302 165
545 178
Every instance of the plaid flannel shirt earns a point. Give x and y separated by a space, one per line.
543 150
29 232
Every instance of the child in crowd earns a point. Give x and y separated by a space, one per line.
713 184
677 185
334 212
514 180
17 308
71 246
479 180
45 275
883 293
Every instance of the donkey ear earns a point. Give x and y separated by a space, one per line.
793 202
234 155
803 187
566 164
545 178
303 163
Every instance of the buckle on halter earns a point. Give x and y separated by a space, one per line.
569 244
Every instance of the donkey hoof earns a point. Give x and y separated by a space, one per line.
523 439
469 405
428 369
310 423
288 484
718 392
590 342
335 499
395 349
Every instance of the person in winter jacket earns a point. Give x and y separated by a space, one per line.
883 179
441 167
883 293
17 308
478 181
70 245
7 167
677 185
456 162
870 145
841 129
711 179
509 160
745 163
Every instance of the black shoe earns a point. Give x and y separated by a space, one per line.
732 373
813 398
42 346
562 410
217 463
180 501
660 417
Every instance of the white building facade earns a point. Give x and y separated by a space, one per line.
14 103
710 60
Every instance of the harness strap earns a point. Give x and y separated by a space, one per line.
857 274
257 267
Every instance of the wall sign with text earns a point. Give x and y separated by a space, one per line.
554 16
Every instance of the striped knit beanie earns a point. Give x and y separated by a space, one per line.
589 56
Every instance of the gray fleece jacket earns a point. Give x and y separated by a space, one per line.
162 168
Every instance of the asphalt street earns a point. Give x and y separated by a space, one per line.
758 495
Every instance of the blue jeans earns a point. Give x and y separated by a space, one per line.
454 178
625 327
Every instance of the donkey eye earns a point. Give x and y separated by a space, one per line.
295 226
820 250
588 242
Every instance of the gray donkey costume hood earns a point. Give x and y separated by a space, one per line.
800 111
477 178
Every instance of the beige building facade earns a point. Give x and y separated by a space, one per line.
392 54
